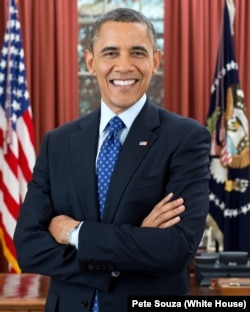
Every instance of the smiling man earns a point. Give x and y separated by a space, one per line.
123 57
118 200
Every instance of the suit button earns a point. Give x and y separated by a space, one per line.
110 267
84 303
90 267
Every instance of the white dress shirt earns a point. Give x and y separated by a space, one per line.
128 117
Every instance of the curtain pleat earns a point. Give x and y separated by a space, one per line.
50 31
191 38
50 37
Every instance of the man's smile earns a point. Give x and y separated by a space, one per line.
123 82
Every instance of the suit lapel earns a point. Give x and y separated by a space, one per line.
83 154
136 146
83 144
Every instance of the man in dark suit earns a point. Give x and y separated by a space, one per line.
141 245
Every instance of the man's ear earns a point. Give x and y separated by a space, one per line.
88 55
157 60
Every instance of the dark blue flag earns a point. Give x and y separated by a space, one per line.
230 158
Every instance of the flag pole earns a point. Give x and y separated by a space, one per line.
231 10
8 134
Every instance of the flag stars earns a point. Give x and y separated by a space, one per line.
217 202
14 118
16 139
13 51
6 37
16 106
4 50
19 93
13 87
12 10
3 64
211 196
20 79
1 77
17 38
21 66
234 65
21 53
26 95
245 209
231 65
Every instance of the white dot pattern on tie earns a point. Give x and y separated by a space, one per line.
95 307
105 165
107 159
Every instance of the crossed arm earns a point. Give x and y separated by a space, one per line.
165 214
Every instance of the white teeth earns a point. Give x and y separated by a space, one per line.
124 82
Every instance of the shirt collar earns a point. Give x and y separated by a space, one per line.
128 116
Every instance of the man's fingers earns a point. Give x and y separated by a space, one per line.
164 218
169 215
170 223
164 200
164 206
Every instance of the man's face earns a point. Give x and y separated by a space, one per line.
123 61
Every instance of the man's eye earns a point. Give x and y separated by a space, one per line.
110 54
138 53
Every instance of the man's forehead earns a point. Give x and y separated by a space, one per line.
130 47
116 25
129 32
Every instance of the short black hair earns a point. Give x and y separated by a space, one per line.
123 15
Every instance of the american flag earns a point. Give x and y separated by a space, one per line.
230 155
17 153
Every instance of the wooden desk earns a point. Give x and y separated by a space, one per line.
27 292
221 287
233 286
197 290
23 292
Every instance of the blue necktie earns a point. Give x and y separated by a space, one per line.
107 158
105 165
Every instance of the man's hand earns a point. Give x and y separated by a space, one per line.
59 227
165 214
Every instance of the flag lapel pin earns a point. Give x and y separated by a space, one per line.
143 143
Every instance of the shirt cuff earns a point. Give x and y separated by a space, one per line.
75 235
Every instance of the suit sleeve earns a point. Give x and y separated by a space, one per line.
107 247
130 248
37 251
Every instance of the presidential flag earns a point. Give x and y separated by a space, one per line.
229 156
17 153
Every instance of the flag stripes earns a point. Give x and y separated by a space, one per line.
17 153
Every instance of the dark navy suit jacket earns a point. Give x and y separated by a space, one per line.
162 153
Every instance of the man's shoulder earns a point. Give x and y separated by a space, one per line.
78 123
174 118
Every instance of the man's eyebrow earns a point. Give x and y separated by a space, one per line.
139 48
133 48
111 48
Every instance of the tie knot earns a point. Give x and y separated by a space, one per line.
115 124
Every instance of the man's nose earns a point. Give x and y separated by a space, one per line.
124 64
